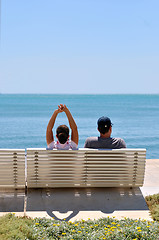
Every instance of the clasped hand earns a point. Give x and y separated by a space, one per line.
62 108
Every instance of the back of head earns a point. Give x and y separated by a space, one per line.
104 124
62 133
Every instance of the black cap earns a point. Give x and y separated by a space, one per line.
104 122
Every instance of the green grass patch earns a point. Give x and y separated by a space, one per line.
12 227
153 205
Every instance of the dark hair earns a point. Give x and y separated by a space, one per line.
62 133
103 129
104 124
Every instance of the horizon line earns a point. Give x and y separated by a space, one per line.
78 93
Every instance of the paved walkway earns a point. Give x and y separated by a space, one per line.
151 181
75 204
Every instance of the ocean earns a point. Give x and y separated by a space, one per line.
135 118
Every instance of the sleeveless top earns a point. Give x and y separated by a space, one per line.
66 146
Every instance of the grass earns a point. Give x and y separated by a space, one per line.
12 227
23 228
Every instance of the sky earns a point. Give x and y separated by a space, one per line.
79 46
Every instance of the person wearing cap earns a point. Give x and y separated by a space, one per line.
62 132
105 141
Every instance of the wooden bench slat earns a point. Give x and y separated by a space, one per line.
119 167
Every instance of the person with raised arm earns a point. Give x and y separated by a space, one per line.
62 132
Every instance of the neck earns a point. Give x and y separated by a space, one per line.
106 135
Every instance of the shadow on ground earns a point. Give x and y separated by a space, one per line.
12 200
70 202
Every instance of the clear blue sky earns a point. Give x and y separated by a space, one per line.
79 46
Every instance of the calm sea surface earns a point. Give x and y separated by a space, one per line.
24 118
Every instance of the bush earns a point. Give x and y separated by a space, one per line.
106 228
153 204
12 227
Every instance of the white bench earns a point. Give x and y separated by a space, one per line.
85 168
12 168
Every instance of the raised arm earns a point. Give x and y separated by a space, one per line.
73 126
49 132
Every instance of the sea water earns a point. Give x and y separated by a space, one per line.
135 118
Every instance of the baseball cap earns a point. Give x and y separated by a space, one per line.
104 122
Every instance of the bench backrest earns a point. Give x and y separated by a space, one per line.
116 168
12 168
51 168
85 168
